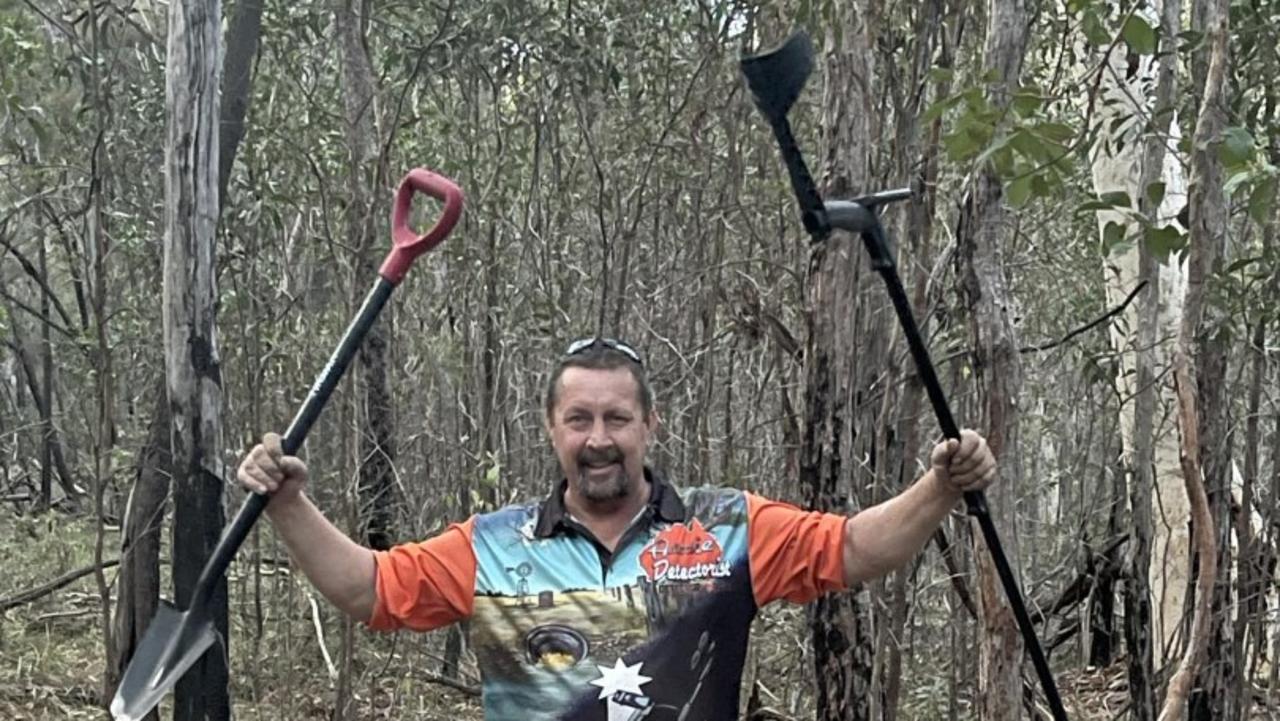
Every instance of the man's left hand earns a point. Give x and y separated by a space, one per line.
962 465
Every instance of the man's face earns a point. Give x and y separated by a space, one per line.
600 433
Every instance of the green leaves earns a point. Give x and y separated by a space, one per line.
1141 37
1164 240
1138 35
1262 201
1236 148
1155 193
1093 28
1250 173
1026 149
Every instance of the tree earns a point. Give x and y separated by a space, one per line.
366 177
192 366
982 237
1200 373
844 343
1135 107
138 584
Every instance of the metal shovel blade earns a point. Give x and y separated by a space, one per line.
777 76
174 641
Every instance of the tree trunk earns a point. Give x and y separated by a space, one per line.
237 77
1132 159
377 489
997 373
192 371
1102 599
138 583
45 402
920 164
32 376
1250 634
840 623
1208 214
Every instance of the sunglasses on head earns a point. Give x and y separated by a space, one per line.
583 344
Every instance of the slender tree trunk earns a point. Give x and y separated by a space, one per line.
377 488
1250 593
98 243
32 376
840 623
998 374
1256 554
1208 213
921 166
192 370
237 78
1102 599
138 583
45 403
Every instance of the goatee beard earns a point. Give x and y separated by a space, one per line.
613 488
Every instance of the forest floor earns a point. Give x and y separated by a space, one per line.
51 649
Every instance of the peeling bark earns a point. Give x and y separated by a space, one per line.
1208 213
998 374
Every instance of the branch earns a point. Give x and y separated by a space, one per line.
1088 326
462 686
66 579
1080 588
35 275
953 570
38 315
1202 541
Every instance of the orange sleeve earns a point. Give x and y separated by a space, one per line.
426 585
794 554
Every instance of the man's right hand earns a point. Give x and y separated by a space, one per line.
266 470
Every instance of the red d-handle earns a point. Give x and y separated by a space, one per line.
409 244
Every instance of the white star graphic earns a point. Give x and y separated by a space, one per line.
620 678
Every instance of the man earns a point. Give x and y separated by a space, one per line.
618 596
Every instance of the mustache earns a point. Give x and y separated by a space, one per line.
599 457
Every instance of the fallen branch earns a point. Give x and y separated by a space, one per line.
66 579
324 648
1080 588
462 686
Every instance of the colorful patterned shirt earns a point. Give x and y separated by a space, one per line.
563 628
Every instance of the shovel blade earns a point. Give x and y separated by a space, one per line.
776 77
174 641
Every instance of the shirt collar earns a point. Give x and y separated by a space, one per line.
664 501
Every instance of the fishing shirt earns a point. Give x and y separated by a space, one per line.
562 628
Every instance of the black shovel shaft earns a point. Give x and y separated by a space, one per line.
319 394
976 501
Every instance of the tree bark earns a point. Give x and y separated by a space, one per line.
997 373
377 489
1208 214
237 78
138 583
837 319
920 164
47 437
192 370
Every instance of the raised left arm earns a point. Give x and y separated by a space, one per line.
888 535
